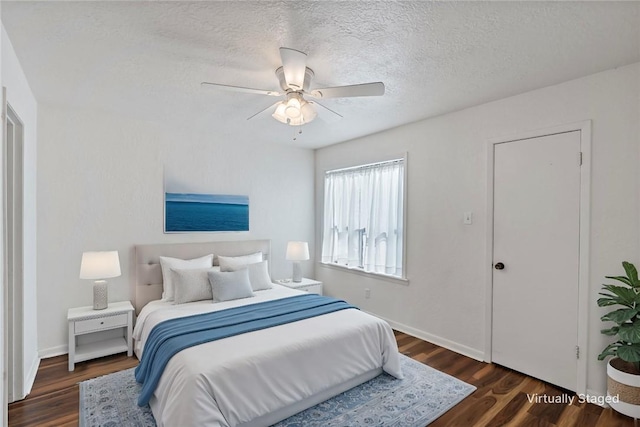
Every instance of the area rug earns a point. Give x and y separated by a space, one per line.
415 401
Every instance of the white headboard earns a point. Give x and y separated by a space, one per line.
148 277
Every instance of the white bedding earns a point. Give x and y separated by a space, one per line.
241 380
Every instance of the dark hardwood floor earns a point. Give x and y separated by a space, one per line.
501 397
54 397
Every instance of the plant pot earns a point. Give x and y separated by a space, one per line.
627 387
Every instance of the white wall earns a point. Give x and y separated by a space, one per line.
445 300
100 187
23 102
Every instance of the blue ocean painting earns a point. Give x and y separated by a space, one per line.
205 212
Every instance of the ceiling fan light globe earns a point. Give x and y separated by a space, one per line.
279 113
292 112
295 110
294 101
308 112
298 121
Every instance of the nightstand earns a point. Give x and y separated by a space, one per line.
98 333
307 285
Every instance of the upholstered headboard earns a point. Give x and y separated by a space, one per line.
148 275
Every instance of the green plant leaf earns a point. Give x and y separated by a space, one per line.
622 279
603 302
627 319
611 331
620 316
629 353
610 350
623 295
632 273
630 332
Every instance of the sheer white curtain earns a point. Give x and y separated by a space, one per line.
363 217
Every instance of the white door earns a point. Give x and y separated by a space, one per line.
536 241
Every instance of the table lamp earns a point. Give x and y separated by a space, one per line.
296 252
99 266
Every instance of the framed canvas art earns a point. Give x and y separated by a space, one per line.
197 212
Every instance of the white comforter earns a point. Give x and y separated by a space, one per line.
233 381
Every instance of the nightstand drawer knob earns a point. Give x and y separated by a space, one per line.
104 323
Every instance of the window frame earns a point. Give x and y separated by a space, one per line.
404 279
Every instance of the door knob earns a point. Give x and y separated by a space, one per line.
499 266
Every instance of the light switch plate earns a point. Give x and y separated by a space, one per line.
468 218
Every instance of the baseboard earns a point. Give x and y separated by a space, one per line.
53 351
442 342
31 376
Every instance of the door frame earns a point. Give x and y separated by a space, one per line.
584 128
13 250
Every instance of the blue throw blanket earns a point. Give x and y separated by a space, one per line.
171 336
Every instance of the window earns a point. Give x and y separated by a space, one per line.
363 217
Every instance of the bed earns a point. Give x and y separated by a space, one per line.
260 377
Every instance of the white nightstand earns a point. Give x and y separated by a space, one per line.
308 285
98 333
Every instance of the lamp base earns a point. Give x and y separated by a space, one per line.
100 297
297 272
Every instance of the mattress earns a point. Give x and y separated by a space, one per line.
261 377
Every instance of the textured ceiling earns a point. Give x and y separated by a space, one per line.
147 59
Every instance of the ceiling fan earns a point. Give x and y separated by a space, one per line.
295 79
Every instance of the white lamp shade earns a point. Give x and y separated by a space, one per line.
100 265
297 251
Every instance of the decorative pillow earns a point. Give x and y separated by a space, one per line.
230 285
258 275
233 263
191 285
167 263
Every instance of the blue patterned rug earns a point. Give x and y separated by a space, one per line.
422 396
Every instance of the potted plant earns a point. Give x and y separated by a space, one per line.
623 369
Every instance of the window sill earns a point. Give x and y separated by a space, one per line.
381 276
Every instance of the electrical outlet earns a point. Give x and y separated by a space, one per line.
367 293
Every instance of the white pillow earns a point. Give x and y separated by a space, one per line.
232 263
258 275
191 285
167 263
230 285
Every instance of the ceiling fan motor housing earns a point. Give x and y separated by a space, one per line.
308 76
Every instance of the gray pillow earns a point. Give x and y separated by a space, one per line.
231 263
258 275
167 263
191 285
230 285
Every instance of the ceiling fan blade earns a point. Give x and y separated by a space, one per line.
330 118
264 111
294 64
218 86
364 89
